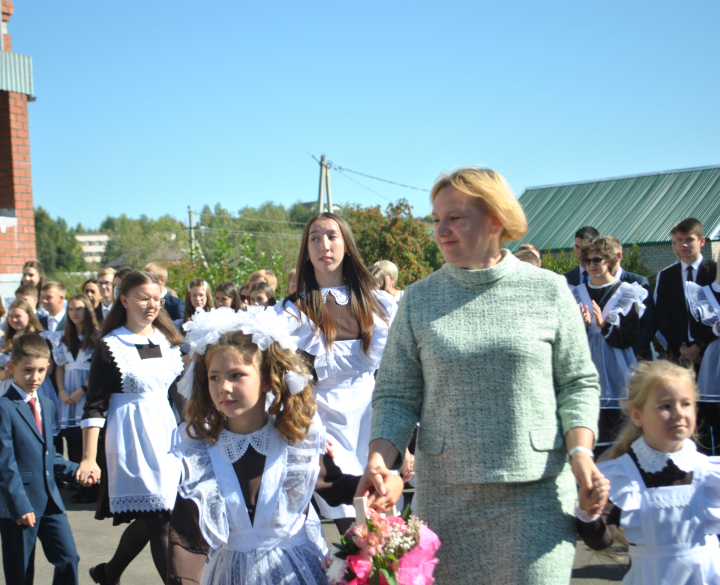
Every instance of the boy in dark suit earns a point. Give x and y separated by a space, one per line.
673 319
30 503
578 274
52 296
173 305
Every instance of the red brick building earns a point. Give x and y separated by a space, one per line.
17 222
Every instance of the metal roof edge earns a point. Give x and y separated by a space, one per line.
619 178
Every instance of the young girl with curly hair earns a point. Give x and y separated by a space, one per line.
253 453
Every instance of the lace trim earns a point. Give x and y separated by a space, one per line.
652 461
145 503
671 503
232 446
341 294
126 357
583 516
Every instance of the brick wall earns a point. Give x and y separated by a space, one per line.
659 256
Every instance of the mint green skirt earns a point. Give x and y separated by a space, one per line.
502 533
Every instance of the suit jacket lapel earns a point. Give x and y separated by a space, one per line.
25 412
46 418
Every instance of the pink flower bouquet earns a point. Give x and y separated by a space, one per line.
385 551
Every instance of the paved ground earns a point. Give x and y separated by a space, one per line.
96 542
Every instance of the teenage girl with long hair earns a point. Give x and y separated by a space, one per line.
228 295
197 296
133 372
662 492
343 321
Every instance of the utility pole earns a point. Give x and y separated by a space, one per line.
324 183
191 225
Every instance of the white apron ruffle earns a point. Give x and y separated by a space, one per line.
613 364
706 310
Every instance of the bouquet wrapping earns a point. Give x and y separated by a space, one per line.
385 551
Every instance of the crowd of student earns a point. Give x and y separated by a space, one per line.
278 398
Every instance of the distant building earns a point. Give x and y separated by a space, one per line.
638 207
93 245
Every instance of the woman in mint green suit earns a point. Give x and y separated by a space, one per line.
490 356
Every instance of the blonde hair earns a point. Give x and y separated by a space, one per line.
644 380
157 269
106 271
493 194
390 269
293 412
268 275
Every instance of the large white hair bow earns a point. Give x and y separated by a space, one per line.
206 328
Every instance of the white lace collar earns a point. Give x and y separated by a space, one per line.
232 446
341 294
127 336
652 461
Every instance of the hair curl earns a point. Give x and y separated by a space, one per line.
293 413
603 247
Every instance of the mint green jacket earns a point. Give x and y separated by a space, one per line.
494 364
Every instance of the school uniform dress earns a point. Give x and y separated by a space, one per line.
668 504
131 378
77 371
28 464
705 308
611 347
346 379
254 525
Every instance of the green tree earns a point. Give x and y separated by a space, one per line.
143 240
559 262
396 236
57 248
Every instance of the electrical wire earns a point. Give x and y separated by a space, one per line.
363 186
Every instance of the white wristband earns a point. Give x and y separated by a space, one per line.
579 450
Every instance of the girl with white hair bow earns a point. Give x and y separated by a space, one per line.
249 470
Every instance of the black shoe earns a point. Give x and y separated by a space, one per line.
97 574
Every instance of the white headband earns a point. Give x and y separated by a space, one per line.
265 326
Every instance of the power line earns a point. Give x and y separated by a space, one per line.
339 168
363 186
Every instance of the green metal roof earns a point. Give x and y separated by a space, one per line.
645 207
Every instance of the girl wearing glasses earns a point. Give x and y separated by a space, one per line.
611 310
134 369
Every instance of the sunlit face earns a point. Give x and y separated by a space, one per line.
222 300
668 417
52 300
105 284
595 264
244 297
198 297
30 300
76 312
258 297
687 247
30 276
326 246
92 292
142 304
18 319
576 249
29 372
461 229
235 386
291 285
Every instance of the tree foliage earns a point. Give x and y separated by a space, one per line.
57 248
396 236
140 241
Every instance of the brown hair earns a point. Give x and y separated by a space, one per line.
26 290
29 345
55 284
265 288
690 226
106 271
602 246
36 266
209 302
293 413
230 289
117 317
90 331
646 378
528 256
33 325
268 275
359 281
493 195
157 269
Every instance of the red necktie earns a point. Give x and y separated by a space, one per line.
32 402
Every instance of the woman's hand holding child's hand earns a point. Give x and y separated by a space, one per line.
593 501
392 485
88 473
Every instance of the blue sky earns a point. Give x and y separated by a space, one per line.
150 106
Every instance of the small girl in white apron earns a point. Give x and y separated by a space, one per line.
249 471
132 375
338 307
662 492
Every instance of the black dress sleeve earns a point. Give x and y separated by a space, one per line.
626 334
599 535
105 379
333 485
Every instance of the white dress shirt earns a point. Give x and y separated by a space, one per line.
54 321
26 397
106 310
696 266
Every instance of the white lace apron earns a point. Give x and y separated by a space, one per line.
671 528
706 310
77 372
142 473
612 364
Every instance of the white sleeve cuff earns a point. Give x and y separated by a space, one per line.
92 422
583 516
609 331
